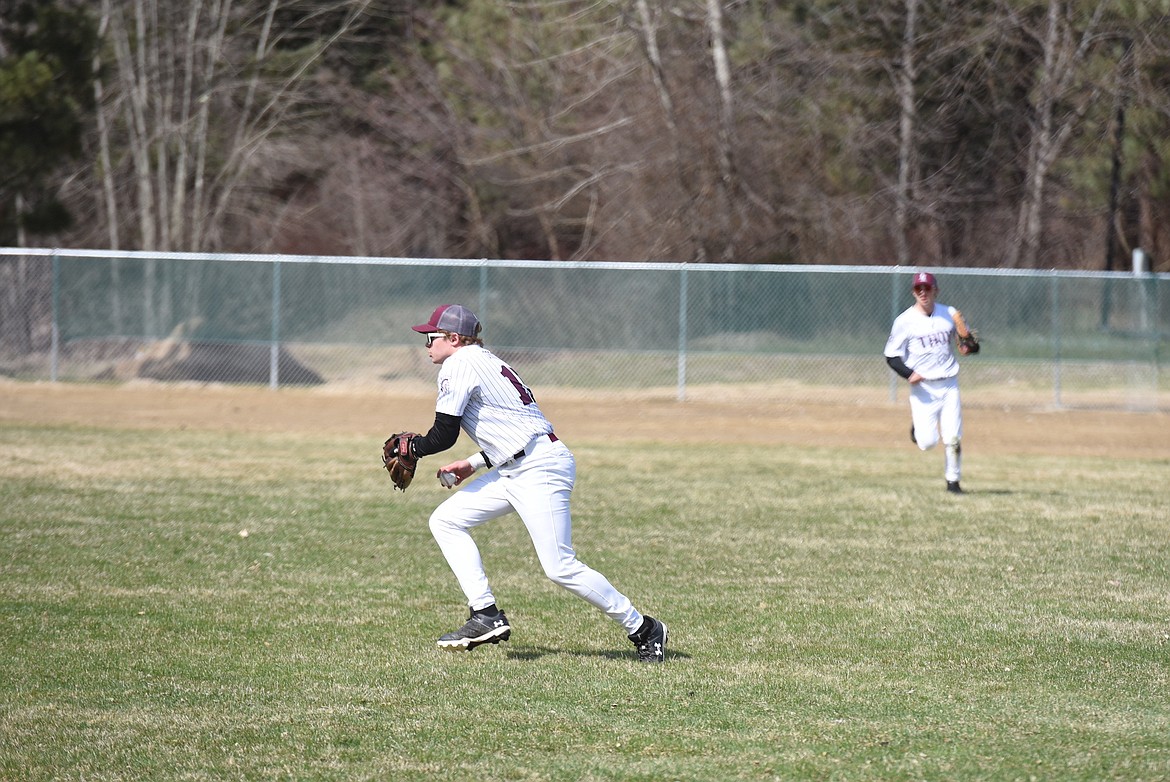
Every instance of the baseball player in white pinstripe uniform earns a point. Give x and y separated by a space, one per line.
920 350
529 471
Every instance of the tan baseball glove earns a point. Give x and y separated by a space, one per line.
398 459
968 339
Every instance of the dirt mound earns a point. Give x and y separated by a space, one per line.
209 361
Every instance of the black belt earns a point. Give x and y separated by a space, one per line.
520 454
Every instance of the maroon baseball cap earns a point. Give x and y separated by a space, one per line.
453 318
924 278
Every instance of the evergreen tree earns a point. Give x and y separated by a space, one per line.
46 54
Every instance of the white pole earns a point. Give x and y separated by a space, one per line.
1140 261
1141 266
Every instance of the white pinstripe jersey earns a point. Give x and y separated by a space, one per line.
924 341
498 411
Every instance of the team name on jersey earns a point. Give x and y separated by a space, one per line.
934 340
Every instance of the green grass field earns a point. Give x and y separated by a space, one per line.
834 615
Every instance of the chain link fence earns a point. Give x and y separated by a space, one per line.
1063 339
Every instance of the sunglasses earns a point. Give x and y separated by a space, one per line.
922 288
432 336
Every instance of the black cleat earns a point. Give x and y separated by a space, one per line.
651 641
478 630
954 488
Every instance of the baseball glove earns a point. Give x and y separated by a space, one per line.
968 339
398 459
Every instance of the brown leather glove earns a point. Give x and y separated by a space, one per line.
398 459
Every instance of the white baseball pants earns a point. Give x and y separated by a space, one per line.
936 411
537 488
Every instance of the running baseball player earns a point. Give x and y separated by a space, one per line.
920 350
527 470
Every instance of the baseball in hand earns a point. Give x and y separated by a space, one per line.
447 479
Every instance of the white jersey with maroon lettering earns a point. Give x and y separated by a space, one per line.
534 478
924 342
498 411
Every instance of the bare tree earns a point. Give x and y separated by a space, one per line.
1149 108
201 92
1061 99
726 182
956 131
905 88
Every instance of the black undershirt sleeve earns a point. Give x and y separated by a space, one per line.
442 436
898 365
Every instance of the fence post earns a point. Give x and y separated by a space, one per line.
274 345
481 309
55 332
893 382
682 334
1056 339
1158 339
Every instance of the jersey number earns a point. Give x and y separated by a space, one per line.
525 393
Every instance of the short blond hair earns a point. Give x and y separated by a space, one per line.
466 340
